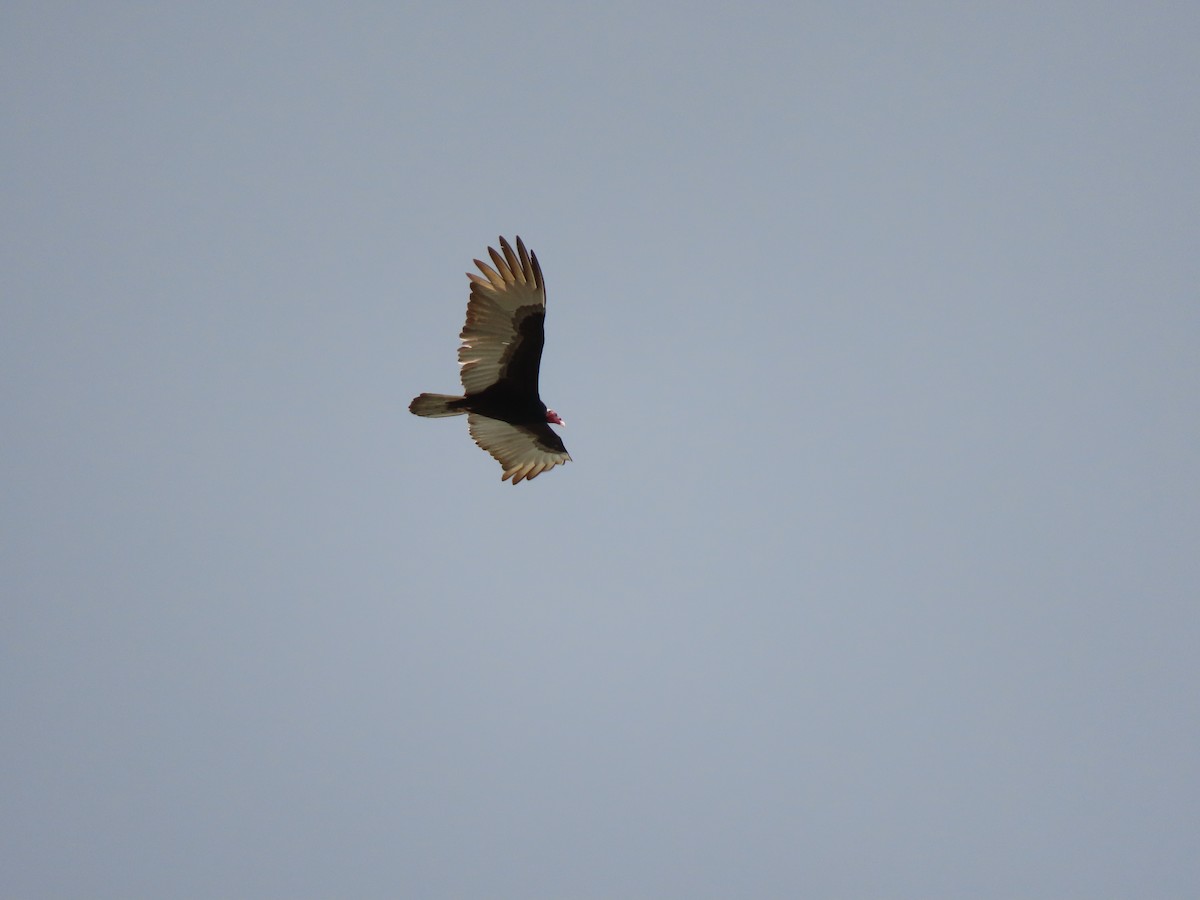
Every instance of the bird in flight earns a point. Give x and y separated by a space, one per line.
499 359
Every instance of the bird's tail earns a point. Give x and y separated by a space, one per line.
435 405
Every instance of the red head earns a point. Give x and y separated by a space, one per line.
554 418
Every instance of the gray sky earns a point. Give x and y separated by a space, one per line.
876 572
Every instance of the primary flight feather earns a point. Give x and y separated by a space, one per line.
499 358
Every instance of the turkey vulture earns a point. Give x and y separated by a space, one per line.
499 357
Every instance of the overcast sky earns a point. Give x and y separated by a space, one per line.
876 328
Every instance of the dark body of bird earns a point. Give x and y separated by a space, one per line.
500 357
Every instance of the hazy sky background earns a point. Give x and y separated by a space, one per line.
876 328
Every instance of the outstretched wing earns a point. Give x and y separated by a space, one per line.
503 336
525 451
